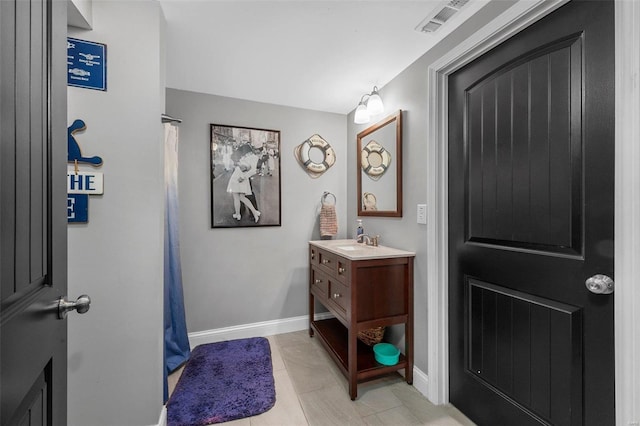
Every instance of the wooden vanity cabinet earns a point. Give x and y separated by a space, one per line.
363 289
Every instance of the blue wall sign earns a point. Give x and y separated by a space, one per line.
80 184
77 208
86 64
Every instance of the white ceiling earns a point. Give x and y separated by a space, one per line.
320 55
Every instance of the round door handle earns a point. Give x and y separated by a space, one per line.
81 305
600 284
341 270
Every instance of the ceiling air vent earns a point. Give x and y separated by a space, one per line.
440 15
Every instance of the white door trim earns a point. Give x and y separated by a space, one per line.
627 215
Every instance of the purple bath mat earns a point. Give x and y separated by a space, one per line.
223 381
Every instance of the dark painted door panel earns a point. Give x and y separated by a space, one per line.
531 218
33 352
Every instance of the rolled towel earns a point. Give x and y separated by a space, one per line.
328 220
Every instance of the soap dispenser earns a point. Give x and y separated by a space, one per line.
359 229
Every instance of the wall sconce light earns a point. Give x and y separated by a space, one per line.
366 108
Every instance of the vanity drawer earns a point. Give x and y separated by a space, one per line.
327 261
336 266
343 270
319 283
313 256
340 296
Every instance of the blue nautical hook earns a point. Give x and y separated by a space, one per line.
73 149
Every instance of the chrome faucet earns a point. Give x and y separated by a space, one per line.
370 241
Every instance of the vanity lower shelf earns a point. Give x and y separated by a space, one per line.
335 336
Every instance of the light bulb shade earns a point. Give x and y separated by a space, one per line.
374 103
362 115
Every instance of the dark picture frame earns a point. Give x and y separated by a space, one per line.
245 176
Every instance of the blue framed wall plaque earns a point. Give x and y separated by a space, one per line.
86 64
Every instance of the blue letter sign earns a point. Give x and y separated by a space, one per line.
77 208
84 183
86 64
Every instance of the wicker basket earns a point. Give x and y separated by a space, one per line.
371 336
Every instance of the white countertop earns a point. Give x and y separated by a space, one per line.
359 251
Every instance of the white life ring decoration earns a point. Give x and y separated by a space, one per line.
313 167
375 160
369 201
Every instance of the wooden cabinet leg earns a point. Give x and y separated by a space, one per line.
312 307
353 391
353 363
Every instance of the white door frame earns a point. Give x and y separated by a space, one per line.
627 215
627 195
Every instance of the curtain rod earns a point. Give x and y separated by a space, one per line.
169 119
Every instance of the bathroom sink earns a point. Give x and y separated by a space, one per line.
353 250
354 247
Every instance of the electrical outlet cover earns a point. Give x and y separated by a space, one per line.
422 214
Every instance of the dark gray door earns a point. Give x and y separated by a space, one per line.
531 146
33 244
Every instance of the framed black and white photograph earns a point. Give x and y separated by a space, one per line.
245 177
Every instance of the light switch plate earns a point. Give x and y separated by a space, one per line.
422 214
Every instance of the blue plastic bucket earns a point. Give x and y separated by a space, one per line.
386 353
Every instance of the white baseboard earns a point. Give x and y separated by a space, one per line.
163 417
258 329
421 382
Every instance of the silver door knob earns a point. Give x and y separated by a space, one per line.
599 284
81 305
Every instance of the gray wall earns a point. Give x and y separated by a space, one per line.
408 92
235 276
115 350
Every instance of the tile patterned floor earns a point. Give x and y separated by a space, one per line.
310 390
